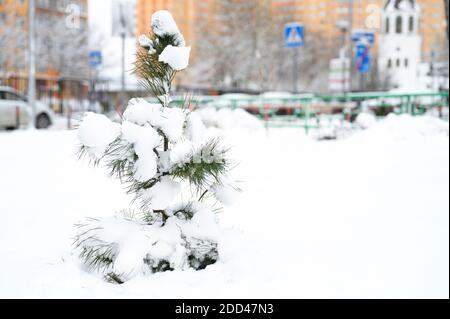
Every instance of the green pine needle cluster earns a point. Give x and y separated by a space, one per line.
120 159
205 166
114 278
84 153
154 75
96 256
200 174
202 253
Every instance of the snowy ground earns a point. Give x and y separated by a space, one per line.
363 217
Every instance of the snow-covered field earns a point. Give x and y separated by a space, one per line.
363 217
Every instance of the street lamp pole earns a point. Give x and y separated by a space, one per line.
350 46
123 89
295 70
31 62
123 35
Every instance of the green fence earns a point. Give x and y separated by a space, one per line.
303 110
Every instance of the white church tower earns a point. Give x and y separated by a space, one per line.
400 43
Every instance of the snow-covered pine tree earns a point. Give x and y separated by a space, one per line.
163 155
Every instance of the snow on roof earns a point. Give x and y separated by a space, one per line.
404 5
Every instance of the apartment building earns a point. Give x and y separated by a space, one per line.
62 68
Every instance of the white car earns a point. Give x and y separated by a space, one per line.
15 112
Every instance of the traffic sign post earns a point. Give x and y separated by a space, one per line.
95 58
362 35
362 60
294 37
364 40
363 57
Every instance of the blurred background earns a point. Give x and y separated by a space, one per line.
82 53
335 111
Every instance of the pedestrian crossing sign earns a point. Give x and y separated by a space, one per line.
294 35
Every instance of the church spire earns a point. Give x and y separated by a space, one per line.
397 4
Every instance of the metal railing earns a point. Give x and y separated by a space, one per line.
299 111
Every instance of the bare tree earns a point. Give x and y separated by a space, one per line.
224 47
13 44
59 46
242 48
62 48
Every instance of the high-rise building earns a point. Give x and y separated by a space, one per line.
183 12
187 14
62 67
323 15
432 28
317 15
326 19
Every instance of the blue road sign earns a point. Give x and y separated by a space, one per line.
95 58
294 35
358 36
363 58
